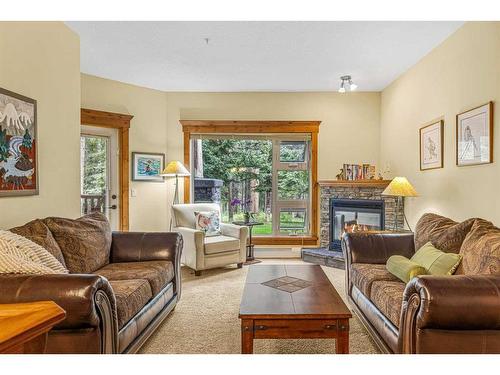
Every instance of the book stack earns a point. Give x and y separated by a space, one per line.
354 172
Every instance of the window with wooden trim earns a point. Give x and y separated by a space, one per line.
266 175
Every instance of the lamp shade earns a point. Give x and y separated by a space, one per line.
400 187
175 168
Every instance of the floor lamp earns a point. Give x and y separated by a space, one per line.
400 188
175 169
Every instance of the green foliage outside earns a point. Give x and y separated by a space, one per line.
241 161
93 165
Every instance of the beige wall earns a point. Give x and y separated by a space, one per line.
461 73
348 133
148 133
41 60
349 130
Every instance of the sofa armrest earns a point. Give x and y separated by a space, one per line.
236 231
376 248
459 303
87 299
141 246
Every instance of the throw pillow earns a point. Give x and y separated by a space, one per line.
84 242
481 250
18 255
208 222
403 268
446 234
40 234
435 261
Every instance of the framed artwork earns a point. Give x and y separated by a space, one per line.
146 166
18 145
431 145
475 136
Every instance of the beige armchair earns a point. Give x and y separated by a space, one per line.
201 252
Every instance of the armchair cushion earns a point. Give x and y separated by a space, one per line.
363 275
208 222
221 244
84 242
183 215
131 296
158 272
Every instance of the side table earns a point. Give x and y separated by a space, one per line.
250 247
24 326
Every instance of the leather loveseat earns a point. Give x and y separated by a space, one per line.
120 287
430 314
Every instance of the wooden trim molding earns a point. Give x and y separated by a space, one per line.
122 123
254 127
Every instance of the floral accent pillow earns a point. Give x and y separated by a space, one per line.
208 222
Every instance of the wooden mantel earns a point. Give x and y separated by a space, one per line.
358 183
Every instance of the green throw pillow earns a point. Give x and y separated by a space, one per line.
435 261
403 268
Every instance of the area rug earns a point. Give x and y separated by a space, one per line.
205 320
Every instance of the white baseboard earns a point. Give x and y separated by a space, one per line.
277 252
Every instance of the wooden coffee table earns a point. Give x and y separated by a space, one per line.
292 302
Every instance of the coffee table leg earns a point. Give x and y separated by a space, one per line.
342 341
246 336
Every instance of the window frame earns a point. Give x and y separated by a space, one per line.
192 127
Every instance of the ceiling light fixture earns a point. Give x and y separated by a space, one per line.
346 82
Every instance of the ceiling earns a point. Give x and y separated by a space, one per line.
255 56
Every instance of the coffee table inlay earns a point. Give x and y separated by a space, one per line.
292 301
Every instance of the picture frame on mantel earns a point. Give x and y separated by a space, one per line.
432 145
474 136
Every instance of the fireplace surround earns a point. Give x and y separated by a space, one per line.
354 215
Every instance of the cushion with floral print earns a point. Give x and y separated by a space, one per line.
208 222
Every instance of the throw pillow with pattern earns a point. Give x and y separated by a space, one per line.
208 222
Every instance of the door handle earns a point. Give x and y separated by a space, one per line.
113 207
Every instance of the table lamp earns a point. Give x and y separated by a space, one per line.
399 188
175 169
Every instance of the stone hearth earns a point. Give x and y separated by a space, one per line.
371 189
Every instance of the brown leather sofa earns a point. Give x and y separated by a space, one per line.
430 314
120 287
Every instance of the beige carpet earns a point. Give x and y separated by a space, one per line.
206 319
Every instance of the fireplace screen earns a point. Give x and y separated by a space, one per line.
354 215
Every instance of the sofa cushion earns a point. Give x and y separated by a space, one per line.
131 296
403 268
388 297
445 234
481 250
85 242
157 272
221 244
435 261
40 234
363 275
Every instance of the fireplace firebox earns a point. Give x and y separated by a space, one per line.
354 215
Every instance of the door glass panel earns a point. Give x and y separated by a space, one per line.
94 173
293 185
292 221
292 151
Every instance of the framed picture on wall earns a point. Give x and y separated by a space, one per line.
18 145
431 145
475 136
147 166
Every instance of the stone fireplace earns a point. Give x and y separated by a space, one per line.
357 190
364 218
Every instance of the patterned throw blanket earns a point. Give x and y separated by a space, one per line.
18 255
